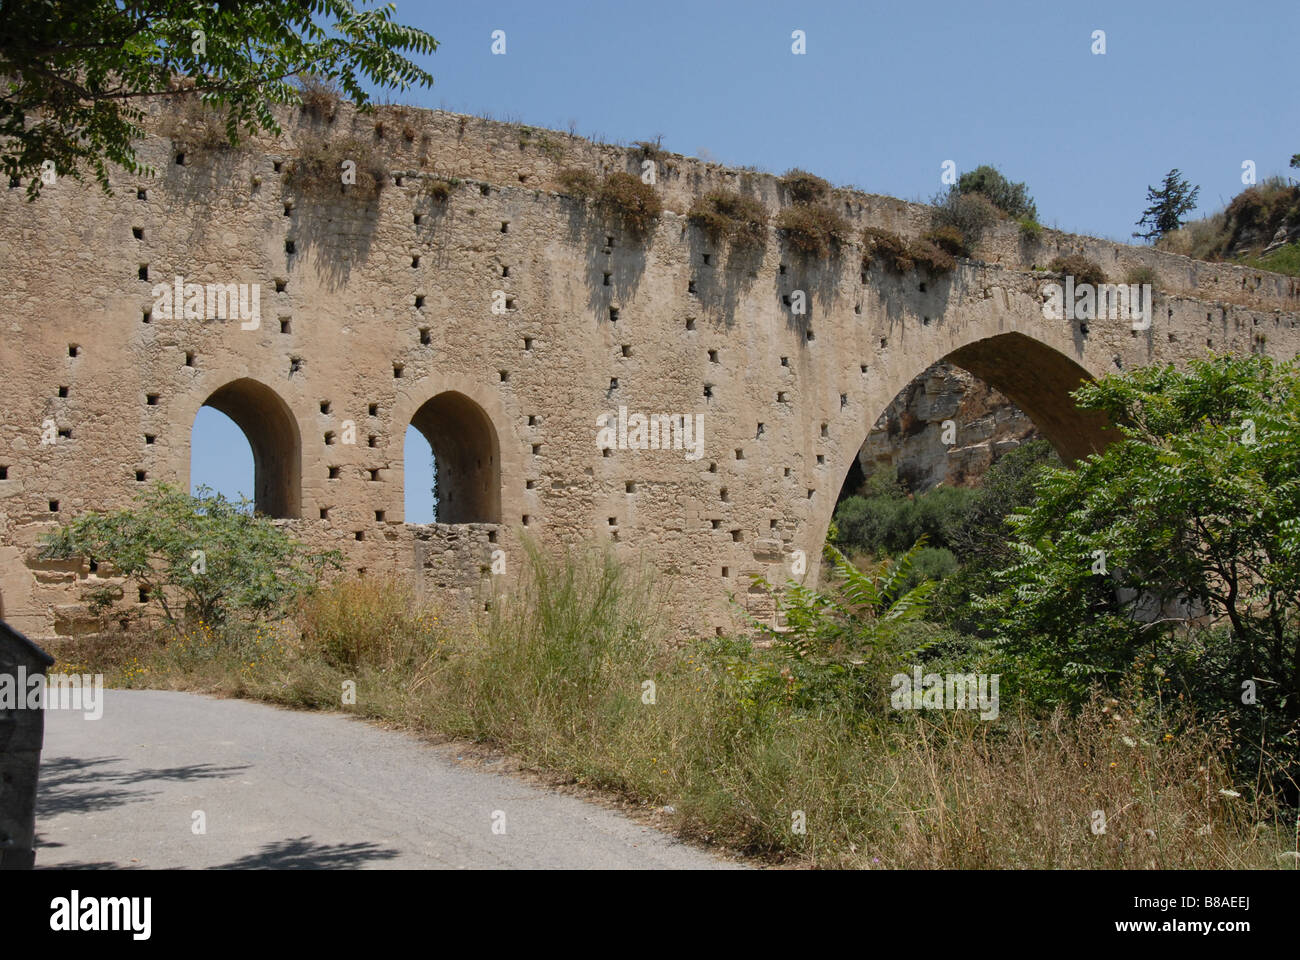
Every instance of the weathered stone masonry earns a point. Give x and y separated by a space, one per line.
381 315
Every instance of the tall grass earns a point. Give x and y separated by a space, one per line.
573 676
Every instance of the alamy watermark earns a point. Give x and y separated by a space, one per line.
658 431
216 301
1104 301
952 691
58 691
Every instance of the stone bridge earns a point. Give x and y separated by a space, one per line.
502 320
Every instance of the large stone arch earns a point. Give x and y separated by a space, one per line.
1039 377
272 432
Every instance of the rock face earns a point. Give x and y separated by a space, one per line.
946 427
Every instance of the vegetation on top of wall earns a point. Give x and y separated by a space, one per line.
320 96
318 168
886 247
899 255
578 182
651 149
620 195
1080 267
1244 228
948 239
196 125
1140 275
1012 199
804 187
627 198
930 257
970 214
813 228
1030 229
733 217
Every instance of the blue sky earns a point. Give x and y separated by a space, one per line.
885 93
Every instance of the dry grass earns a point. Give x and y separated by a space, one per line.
192 124
318 168
814 230
730 217
556 676
1080 267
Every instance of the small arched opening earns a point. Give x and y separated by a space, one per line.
268 425
463 479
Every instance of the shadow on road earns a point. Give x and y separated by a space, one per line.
86 785
303 853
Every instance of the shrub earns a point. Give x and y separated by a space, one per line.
1140 275
627 198
732 217
317 168
1080 267
319 96
971 214
1216 541
244 563
578 182
887 248
948 239
436 190
1011 198
1030 229
650 149
196 125
926 254
804 187
813 229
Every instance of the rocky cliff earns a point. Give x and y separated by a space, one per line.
947 427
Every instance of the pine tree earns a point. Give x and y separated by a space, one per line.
1174 200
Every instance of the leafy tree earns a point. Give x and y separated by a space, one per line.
198 557
77 73
1180 538
838 647
1295 160
1013 199
1168 206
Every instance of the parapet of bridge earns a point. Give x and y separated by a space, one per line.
378 313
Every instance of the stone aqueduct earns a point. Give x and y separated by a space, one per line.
377 314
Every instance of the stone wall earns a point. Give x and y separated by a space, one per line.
379 313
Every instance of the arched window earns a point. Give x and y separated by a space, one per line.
273 440
459 472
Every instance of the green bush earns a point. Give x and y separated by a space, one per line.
1011 198
1194 508
199 558
971 214
890 523
1030 229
